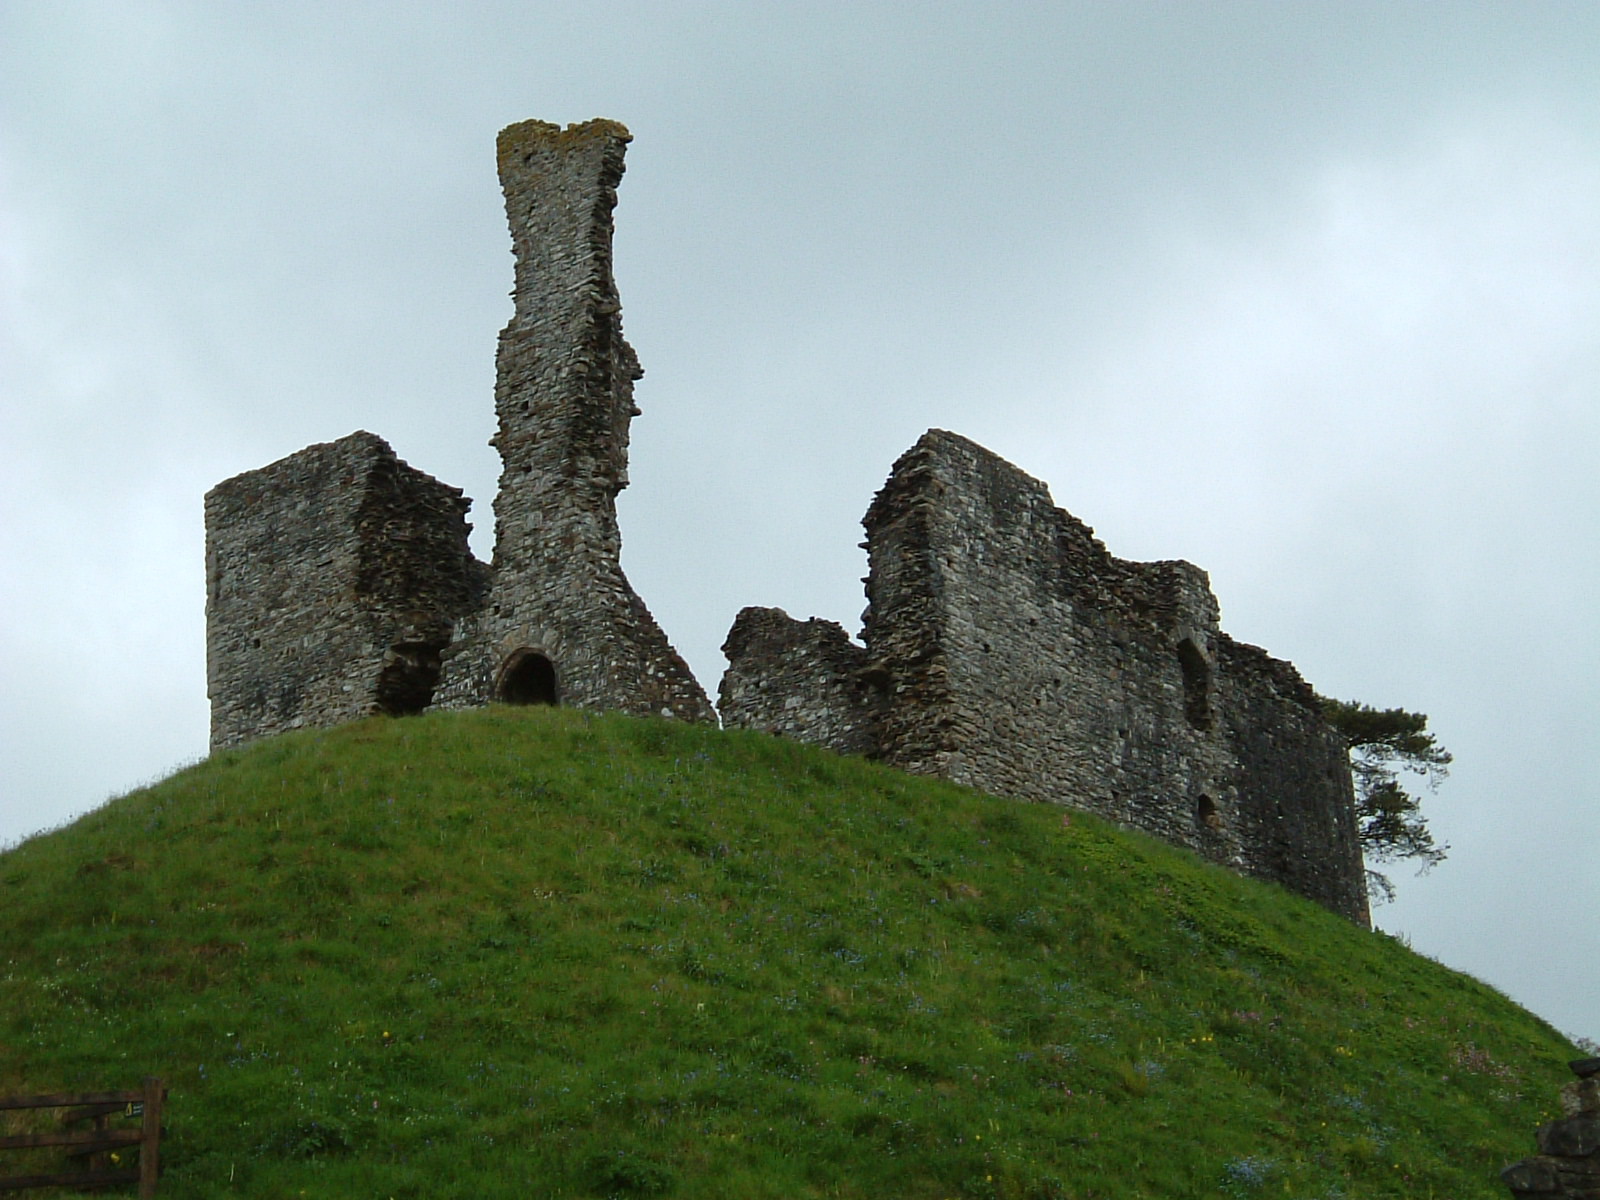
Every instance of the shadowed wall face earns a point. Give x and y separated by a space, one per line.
1296 805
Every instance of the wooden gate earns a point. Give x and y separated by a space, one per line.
95 1143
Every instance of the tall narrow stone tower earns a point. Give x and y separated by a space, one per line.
562 624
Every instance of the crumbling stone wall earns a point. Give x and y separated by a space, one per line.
813 685
1294 803
335 579
1005 648
339 579
1567 1166
562 623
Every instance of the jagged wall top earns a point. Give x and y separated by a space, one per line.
563 350
334 579
1007 648
554 619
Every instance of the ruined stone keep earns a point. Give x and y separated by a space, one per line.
339 583
1006 649
1003 647
335 579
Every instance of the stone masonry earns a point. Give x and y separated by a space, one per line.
1006 649
1567 1166
339 582
335 579
562 623
809 681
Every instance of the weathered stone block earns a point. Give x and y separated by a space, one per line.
1568 1166
335 579
1532 1177
1573 1137
1581 1098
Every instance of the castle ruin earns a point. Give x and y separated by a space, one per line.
1003 647
339 583
336 579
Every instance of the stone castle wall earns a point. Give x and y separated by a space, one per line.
1006 649
813 682
335 579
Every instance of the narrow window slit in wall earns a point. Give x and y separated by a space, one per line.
1196 684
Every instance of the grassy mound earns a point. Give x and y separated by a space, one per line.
535 952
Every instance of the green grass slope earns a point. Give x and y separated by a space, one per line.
534 952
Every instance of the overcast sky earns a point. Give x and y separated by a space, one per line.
1308 294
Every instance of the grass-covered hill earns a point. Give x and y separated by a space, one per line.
533 952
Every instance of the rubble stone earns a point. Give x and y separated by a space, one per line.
1567 1166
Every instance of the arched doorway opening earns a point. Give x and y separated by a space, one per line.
528 678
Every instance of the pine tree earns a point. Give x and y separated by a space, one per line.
1385 745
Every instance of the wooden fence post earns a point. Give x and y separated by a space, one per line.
150 1142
